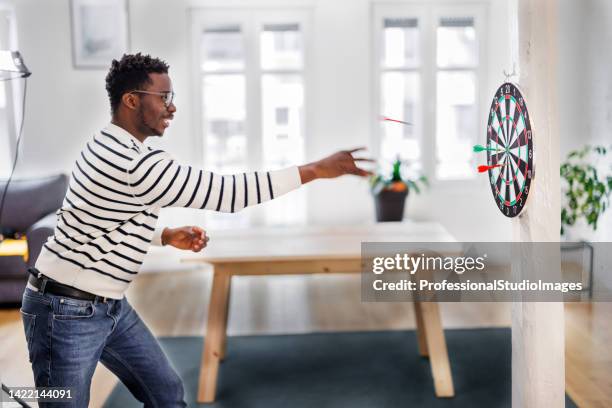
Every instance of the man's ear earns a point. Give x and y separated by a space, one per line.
130 100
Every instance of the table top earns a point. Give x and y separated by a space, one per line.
312 242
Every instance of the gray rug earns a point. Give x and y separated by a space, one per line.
364 369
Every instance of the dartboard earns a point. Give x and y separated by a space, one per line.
510 155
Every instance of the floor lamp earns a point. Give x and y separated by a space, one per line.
13 67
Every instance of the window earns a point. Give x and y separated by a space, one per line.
428 72
252 70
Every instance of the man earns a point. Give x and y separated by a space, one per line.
74 310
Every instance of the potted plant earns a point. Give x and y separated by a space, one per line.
390 192
587 194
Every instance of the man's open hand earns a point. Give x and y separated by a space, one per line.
336 165
189 238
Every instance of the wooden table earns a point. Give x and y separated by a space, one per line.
306 250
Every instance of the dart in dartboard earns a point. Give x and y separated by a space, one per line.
509 150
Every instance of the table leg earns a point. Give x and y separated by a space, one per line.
223 352
436 345
215 335
421 335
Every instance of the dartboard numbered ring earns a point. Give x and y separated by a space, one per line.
510 150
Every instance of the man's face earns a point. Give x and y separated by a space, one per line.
152 115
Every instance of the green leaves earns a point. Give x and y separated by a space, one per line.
377 184
413 186
396 176
586 194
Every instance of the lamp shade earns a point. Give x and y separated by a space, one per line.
12 62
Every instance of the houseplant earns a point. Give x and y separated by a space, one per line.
390 192
587 192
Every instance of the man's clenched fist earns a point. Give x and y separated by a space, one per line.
189 238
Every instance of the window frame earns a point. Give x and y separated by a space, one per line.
428 15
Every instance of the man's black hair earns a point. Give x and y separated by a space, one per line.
130 73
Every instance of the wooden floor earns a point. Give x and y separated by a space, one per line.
175 303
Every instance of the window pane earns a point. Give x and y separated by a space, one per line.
400 100
224 124
282 110
222 48
401 43
457 43
456 124
283 143
281 46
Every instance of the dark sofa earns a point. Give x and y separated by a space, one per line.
29 209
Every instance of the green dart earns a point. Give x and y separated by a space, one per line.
479 148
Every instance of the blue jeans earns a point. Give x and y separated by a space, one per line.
67 337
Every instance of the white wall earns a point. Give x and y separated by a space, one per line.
66 105
585 88
63 105
585 109
598 87
572 50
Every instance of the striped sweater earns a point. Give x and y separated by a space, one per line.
117 188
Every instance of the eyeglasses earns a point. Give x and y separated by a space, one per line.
167 96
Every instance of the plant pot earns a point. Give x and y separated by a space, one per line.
390 205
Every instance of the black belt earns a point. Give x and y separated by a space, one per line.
45 284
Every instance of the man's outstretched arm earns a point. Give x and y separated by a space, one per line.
157 180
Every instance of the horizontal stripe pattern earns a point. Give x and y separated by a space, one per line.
166 183
117 188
